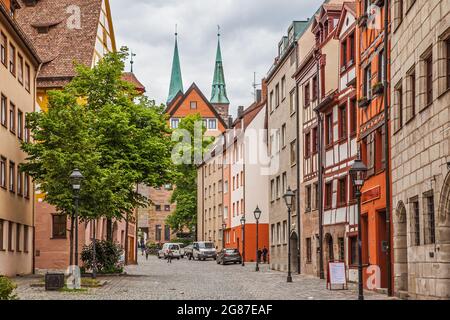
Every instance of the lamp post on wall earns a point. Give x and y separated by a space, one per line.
76 178
243 239
358 173
224 225
288 198
257 214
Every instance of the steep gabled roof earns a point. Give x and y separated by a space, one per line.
349 7
172 109
60 46
176 79
131 78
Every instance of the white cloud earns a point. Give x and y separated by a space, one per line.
250 32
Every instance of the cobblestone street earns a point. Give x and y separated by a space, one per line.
197 280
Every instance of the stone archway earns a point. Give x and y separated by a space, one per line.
443 221
401 248
294 251
329 249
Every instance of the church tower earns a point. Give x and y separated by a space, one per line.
219 98
176 81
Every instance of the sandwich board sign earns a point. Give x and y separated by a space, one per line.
337 275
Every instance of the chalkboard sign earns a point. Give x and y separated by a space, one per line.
54 281
337 275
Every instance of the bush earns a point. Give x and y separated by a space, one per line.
108 257
7 288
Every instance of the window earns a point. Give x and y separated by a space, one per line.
10 236
3 172
292 102
20 124
315 141
342 192
416 222
328 195
12 117
271 101
293 153
447 46
429 79
368 147
27 77
285 232
26 186
272 190
12 176
284 183
212 124
193 105
174 123
308 250
237 208
316 196
367 82
308 198
283 135
234 209
351 42
167 233
315 87
18 236
430 231
158 207
307 95
3 48
399 105
12 59
307 145
343 122
353 117
278 233
283 88
19 182
1 235
399 12
329 129
277 95
20 69
341 249
381 66
272 234
353 251
158 232
4 111
59 226
225 187
25 239
278 188
167 207
411 94
344 54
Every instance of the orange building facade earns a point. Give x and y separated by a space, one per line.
371 139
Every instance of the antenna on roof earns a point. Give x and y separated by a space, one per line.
132 60
176 30
255 86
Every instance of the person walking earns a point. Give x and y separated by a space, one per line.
264 254
169 255
259 255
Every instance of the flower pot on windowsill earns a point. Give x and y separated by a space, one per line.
378 89
363 102
362 20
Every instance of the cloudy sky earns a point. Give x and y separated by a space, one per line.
251 30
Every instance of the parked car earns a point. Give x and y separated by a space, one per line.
229 256
188 251
204 250
182 250
173 247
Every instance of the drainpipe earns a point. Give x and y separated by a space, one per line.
297 120
386 146
320 170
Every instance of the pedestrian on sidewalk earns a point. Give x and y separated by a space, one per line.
259 255
264 254
169 255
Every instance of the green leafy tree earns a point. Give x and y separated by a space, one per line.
191 145
100 125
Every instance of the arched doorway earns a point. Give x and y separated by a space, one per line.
443 221
329 250
294 251
401 248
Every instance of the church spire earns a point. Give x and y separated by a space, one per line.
176 81
219 90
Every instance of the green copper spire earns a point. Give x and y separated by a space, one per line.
176 81
219 88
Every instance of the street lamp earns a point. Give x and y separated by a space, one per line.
243 239
76 178
257 214
358 173
224 225
288 198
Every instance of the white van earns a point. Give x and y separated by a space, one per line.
204 250
173 247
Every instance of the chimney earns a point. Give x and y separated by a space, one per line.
258 95
230 122
240 111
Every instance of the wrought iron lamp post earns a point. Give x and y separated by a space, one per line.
288 198
243 239
224 225
358 173
76 178
257 214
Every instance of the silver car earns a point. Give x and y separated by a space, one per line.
204 250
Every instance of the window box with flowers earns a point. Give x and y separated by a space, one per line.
378 88
363 102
